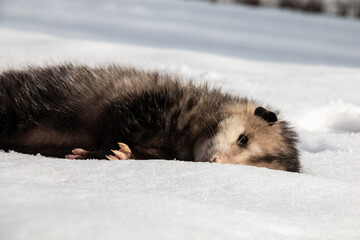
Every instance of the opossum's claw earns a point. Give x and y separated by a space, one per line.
111 157
122 154
124 148
78 153
73 157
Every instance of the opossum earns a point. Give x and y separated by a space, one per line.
115 112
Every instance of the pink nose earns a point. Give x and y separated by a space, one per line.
220 158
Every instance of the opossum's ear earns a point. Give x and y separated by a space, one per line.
268 116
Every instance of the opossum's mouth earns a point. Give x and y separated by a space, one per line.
215 156
204 157
206 152
208 156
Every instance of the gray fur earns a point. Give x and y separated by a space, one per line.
55 109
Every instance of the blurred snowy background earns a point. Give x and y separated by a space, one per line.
306 65
341 8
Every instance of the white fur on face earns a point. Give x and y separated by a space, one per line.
263 139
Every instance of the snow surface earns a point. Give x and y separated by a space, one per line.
307 66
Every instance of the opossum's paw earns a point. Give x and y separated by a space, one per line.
78 153
123 153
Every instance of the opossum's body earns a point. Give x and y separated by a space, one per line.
56 109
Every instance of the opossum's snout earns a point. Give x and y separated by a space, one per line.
255 139
220 158
216 157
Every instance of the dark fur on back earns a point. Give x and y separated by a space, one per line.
54 109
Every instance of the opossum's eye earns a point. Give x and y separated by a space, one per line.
265 114
242 140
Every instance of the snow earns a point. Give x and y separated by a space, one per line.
305 65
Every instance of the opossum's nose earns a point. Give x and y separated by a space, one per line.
220 158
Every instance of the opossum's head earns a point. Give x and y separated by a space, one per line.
251 135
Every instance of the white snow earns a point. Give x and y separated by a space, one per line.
305 65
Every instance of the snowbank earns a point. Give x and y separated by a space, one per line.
45 198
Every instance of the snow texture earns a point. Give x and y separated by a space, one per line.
307 66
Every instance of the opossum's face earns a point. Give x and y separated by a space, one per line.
251 136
